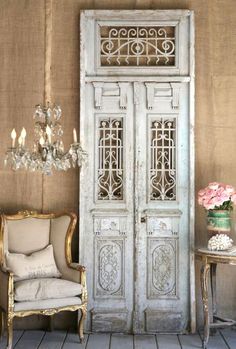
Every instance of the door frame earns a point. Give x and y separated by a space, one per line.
154 14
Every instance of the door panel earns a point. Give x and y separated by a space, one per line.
108 220
162 201
135 192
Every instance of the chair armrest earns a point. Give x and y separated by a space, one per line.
77 273
6 289
77 266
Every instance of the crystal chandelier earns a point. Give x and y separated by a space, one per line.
48 149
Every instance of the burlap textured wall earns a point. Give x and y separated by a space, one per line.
21 87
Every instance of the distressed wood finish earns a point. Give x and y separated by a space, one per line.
72 341
62 339
53 340
122 341
190 342
98 341
17 337
136 211
229 336
145 342
168 342
30 340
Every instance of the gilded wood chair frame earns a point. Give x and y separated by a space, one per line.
7 278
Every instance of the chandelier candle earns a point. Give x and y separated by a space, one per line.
13 137
75 135
23 136
48 149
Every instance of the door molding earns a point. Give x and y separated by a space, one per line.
94 73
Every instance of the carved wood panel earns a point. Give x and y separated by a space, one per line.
109 259
162 267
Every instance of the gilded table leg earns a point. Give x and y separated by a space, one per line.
204 285
9 331
81 324
213 291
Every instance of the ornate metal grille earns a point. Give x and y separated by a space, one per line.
163 160
137 46
110 167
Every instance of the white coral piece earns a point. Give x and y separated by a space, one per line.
219 242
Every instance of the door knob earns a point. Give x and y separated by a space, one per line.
143 219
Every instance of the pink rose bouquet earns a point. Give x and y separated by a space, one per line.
217 196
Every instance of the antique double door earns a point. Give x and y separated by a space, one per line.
136 191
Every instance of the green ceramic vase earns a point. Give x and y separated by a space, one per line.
218 221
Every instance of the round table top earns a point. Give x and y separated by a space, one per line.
228 256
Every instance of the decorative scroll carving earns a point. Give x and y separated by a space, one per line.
107 90
137 46
163 159
123 94
110 267
175 94
163 226
160 224
110 226
163 268
162 260
150 95
98 94
157 92
110 160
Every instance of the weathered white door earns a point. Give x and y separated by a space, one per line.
136 191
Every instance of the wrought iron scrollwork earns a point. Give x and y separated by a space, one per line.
110 158
137 46
163 160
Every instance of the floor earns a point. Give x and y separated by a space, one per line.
224 339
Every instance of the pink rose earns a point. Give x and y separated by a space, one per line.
209 193
216 201
229 189
209 206
201 192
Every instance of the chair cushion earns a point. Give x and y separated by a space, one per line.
40 264
47 304
40 289
27 235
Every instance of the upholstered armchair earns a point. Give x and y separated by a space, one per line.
51 286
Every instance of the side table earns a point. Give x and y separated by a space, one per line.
209 260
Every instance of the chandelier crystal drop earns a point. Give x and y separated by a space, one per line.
48 152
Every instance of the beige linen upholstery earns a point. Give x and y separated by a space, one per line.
49 288
47 304
59 227
39 264
27 233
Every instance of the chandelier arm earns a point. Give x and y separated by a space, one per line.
48 152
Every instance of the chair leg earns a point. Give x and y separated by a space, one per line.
9 332
81 324
2 324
